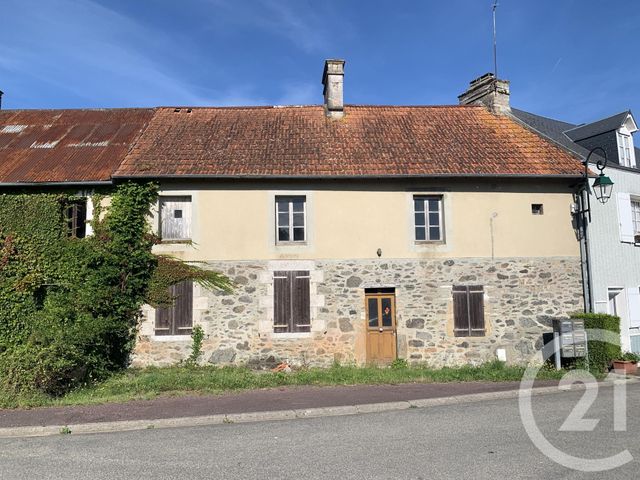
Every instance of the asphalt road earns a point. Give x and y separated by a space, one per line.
475 441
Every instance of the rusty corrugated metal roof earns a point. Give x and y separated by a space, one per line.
66 146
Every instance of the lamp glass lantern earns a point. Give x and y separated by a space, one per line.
602 188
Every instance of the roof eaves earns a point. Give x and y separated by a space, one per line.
57 184
348 177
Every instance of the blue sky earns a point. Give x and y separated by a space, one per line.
575 60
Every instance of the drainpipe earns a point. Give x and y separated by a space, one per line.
584 208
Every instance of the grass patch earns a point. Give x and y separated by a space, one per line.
148 383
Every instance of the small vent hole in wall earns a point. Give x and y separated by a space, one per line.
537 209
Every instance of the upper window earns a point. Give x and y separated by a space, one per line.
624 149
635 215
291 219
75 216
175 218
428 218
468 311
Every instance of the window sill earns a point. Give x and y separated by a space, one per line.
429 242
171 338
291 244
180 242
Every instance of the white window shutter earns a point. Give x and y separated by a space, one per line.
600 306
633 296
625 217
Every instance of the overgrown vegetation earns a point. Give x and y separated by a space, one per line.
69 307
170 271
150 383
601 351
197 337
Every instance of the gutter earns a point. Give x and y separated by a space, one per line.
347 177
55 184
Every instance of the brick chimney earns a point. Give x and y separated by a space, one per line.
489 91
333 80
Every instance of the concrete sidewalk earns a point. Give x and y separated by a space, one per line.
258 405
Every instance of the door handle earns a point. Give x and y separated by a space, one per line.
381 330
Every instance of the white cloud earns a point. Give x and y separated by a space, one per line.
89 50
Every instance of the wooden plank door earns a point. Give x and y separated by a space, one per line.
381 328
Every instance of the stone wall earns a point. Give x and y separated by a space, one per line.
522 296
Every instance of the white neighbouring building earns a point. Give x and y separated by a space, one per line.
614 231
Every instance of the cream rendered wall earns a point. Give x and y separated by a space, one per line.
352 220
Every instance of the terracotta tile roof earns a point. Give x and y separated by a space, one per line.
66 145
369 140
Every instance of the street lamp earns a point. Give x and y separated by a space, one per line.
603 186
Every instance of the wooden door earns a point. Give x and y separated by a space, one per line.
381 328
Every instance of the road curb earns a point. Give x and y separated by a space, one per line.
251 417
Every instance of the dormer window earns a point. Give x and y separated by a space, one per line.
625 147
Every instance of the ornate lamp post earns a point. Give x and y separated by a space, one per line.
603 186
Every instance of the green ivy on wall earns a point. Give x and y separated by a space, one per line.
69 307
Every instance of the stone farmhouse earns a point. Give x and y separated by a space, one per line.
437 234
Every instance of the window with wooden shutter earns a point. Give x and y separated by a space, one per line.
291 302
468 311
175 218
178 318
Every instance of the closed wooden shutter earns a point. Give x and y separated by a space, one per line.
175 218
183 308
177 319
460 311
301 318
476 311
282 301
468 311
164 321
291 302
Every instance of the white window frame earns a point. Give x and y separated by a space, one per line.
625 149
188 199
635 214
289 199
425 201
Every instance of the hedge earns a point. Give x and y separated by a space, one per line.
601 353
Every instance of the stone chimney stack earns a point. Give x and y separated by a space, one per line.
490 91
333 81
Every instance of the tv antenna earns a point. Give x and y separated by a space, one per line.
495 49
